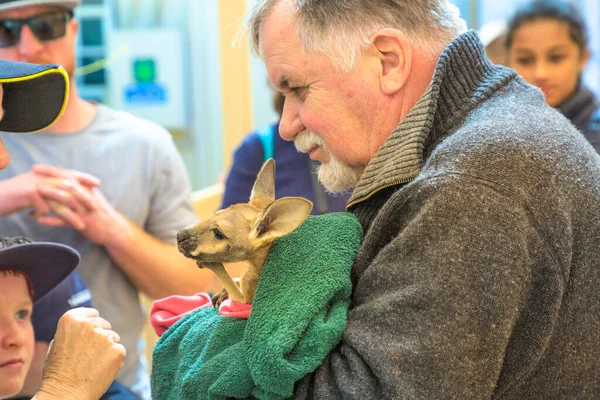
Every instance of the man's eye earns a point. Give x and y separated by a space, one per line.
218 234
298 91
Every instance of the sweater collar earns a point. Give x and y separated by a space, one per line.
463 78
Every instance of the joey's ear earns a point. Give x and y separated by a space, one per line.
395 56
280 218
263 192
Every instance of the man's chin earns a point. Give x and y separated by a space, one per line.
337 177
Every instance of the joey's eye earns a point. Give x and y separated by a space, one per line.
218 234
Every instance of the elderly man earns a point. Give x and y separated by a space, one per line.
86 354
479 272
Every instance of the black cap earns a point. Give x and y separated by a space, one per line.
34 95
46 264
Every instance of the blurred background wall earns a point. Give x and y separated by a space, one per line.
177 62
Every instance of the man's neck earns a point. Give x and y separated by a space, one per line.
404 101
77 115
421 76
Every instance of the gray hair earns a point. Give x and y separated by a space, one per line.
341 29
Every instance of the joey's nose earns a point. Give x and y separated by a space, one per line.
182 236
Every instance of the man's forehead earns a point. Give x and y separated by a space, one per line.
280 51
277 32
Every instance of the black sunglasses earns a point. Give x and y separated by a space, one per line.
47 26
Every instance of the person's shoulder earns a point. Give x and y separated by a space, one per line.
130 126
250 149
594 121
71 291
515 128
252 140
519 117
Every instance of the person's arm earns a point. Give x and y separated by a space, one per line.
84 358
433 312
155 267
153 264
21 192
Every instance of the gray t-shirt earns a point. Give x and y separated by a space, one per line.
143 177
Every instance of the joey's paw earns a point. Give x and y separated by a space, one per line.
219 298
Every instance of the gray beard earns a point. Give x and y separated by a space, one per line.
336 176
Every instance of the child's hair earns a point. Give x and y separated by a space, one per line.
558 10
18 272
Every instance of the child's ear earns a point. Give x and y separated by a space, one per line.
263 192
280 218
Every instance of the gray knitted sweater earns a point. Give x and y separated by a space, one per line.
479 274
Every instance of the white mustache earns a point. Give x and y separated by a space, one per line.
306 141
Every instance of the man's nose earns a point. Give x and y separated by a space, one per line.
28 44
290 124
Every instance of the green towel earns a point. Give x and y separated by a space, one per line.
298 316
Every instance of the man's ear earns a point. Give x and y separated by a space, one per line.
395 54
74 23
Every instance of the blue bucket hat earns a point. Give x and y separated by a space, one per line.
46 264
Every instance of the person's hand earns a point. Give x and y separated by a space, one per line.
101 224
84 357
22 191
79 205
64 192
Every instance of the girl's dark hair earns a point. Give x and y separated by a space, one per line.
563 11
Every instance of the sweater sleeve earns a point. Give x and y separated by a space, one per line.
247 161
439 285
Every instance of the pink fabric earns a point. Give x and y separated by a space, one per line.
234 309
167 311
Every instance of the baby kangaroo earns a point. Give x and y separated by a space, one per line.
244 232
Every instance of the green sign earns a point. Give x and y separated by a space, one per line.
144 70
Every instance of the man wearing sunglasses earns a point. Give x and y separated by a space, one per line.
125 226
85 354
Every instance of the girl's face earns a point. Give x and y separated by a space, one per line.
544 54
